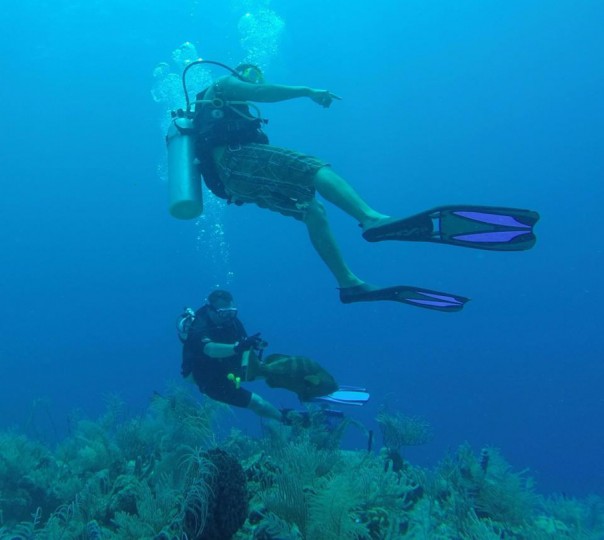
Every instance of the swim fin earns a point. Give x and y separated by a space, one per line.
345 395
482 227
414 296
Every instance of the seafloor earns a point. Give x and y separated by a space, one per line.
167 475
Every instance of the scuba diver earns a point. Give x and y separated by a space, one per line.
238 164
218 356
214 341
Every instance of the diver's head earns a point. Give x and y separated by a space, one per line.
221 306
250 73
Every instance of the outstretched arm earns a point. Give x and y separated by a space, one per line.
219 350
224 350
232 88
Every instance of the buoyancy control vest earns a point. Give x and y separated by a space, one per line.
218 123
199 330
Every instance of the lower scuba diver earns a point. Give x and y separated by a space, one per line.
218 355
239 165
214 340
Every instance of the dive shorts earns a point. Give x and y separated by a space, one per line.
212 378
270 176
227 392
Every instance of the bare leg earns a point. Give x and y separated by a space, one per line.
339 192
324 243
263 408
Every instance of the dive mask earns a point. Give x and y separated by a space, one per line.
226 314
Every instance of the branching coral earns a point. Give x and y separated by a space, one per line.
27 473
401 430
152 478
466 488
197 492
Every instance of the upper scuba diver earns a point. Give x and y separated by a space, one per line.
239 165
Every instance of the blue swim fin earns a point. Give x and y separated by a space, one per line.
414 296
346 395
492 228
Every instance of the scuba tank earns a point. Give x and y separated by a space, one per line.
184 177
184 174
184 322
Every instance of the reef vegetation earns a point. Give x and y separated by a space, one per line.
167 474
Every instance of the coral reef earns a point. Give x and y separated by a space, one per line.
400 430
167 475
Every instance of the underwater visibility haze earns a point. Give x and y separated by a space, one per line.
474 103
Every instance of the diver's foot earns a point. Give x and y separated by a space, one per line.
416 228
394 228
375 221
356 293
285 416
291 417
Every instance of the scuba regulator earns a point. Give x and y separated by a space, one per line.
184 175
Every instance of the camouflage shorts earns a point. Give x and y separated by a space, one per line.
269 176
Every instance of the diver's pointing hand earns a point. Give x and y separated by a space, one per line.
323 97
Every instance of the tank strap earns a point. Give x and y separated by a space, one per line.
218 103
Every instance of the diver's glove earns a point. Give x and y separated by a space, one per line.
250 342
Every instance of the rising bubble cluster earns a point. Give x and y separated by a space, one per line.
167 81
260 32
211 240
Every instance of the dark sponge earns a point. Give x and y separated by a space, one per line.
228 504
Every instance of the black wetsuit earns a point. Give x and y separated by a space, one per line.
211 374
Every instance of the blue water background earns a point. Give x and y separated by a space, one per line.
476 102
